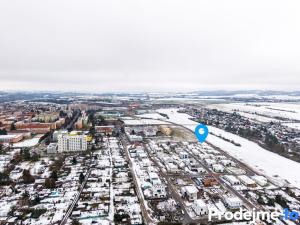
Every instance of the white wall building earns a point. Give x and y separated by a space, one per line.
200 207
218 168
233 202
52 148
154 178
57 133
134 138
261 180
183 155
191 192
210 162
232 180
247 181
172 168
158 191
72 143
227 162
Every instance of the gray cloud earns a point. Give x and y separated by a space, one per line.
149 45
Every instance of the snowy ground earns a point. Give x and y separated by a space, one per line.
191 100
152 116
135 122
265 110
258 158
27 143
293 125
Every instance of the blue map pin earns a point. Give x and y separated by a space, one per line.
201 132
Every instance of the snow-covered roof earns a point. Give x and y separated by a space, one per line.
200 203
246 180
191 189
231 179
153 175
233 200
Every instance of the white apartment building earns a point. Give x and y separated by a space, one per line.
72 143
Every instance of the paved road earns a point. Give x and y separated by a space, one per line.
247 203
73 204
172 189
73 121
248 169
147 219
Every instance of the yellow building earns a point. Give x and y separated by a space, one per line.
165 130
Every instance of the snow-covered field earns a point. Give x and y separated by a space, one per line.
265 110
27 143
256 157
152 116
258 118
144 122
231 107
184 99
293 125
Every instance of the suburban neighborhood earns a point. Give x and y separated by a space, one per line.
128 162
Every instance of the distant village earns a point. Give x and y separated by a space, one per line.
273 135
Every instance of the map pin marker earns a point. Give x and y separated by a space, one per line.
201 132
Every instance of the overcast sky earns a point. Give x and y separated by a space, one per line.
154 45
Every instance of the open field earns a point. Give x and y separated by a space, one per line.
263 112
